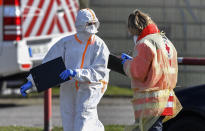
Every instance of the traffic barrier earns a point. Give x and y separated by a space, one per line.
191 61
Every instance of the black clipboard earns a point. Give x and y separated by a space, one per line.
115 64
46 75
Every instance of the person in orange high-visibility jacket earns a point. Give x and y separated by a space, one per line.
153 71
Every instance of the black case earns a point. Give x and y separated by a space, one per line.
46 75
115 64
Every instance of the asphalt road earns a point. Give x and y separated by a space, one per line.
29 112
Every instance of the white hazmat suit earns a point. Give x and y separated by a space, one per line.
87 54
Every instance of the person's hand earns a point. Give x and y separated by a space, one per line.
25 87
67 73
125 57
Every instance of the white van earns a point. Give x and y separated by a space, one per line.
28 28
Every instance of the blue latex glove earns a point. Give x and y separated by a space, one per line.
125 57
67 73
25 87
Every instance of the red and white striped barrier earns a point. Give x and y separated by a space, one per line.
191 61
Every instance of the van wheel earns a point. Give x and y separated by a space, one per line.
186 123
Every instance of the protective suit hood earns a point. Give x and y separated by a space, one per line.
87 21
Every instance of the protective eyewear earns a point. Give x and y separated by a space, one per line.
90 23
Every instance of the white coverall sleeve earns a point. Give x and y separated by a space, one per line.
98 69
55 51
30 78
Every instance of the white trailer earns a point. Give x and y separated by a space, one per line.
28 28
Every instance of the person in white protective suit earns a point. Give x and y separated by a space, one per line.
86 58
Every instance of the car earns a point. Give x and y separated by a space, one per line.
192 116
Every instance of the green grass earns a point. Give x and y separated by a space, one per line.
118 91
114 128
18 128
14 128
111 91
56 91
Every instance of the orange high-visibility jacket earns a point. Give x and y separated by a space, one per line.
153 72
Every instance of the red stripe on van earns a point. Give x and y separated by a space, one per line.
27 9
51 26
59 25
48 11
76 5
65 18
55 18
33 21
71 10
58 2
67 23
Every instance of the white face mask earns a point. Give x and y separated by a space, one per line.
91 29
135 39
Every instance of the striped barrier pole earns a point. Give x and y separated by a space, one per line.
48 110
191 61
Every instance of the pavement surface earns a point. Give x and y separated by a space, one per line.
30 112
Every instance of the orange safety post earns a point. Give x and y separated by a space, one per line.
48 110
